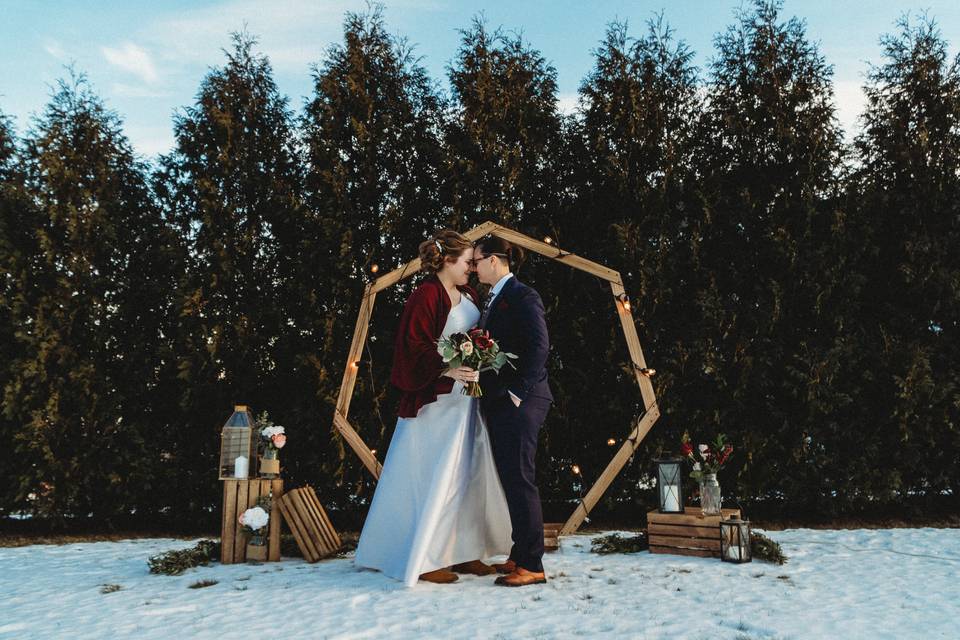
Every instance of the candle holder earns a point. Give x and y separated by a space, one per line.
735 540
670 484
237 446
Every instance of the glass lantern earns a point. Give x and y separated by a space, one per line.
735 540
237 446
670 484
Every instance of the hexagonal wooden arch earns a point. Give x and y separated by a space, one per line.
641 425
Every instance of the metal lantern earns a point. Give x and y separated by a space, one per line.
735 540
670 484
237 445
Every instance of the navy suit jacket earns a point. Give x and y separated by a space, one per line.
517 322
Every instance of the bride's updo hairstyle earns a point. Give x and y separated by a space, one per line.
497 245
444 246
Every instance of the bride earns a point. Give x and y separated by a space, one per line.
439 503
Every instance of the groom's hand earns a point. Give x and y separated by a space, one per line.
463 374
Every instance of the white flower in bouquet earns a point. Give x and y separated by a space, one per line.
269 432
466 348
255 518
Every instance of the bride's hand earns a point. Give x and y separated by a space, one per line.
463 374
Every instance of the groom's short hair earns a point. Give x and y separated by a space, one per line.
512 254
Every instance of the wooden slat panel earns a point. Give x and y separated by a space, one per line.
293 522
276 492
702 553
358 445
331 539
228 531
620 459
322 540
557 254
683 530
686 543
240 545
692 516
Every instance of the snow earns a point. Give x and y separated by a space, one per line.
896 583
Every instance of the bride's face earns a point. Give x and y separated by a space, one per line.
460 270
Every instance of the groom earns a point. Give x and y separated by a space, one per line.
515 402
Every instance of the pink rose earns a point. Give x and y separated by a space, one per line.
279 440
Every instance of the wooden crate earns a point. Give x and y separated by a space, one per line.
551 535
311 527
686 534
238 496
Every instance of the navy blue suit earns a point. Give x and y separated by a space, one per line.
517 322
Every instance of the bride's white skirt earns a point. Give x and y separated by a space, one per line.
439 500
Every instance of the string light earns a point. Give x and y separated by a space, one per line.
611 442
355 365
647 373
548 239
576 469
374 268
373 451
624 300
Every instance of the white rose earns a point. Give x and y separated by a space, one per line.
255 518
466 348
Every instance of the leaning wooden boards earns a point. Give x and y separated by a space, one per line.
311 527
238 496
686 534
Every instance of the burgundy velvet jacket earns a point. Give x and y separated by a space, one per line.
416 363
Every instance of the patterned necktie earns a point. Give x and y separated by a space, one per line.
486 309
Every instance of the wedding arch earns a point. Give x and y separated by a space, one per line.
641 425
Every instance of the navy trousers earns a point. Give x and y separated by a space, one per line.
513 436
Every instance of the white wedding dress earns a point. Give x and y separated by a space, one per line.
439 500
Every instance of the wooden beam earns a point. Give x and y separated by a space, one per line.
633 346
358 445
356 350
558 254
620 459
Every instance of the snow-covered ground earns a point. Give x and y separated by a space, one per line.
899 583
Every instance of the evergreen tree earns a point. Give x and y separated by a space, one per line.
639 106
375 183
85 314
908 192
232 187
504 137
765 246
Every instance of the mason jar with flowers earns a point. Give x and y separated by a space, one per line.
272 439
254 522
707 461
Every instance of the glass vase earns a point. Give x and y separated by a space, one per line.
710 499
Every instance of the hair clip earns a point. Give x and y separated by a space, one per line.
439 247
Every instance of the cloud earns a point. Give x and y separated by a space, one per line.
132 59
567 103
55 49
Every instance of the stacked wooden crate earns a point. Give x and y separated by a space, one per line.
686 534
238 496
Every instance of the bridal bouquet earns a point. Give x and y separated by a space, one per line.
474 349
707 459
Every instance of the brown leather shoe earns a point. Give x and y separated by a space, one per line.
521 578
439 576
474 567
507 567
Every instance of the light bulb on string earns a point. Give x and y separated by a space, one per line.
374 268
624 300
548 239
576 469
611 442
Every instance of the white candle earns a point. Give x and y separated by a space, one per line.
670 502
240 467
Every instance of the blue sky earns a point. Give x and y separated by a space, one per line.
146 59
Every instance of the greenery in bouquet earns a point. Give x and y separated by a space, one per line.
474 349
707 459
272 436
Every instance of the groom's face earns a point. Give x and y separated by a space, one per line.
486 272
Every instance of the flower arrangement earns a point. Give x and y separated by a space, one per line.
254 521
272 436
707 459
474 349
